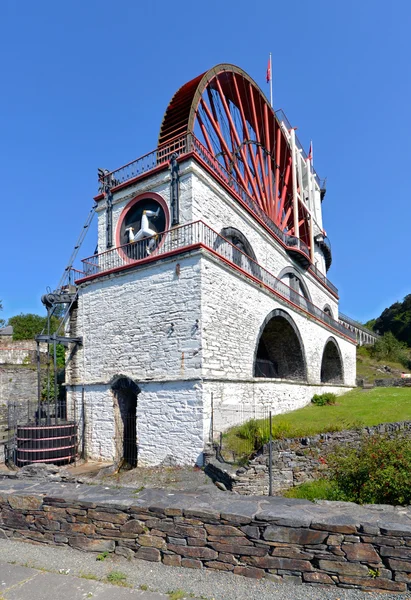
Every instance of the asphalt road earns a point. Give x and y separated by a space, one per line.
38 572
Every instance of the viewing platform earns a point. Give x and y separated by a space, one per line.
188 146
194 236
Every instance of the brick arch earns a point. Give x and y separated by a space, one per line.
332 366
280 350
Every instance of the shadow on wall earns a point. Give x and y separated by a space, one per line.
332 364
125 393
280 350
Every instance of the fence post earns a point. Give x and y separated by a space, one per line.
270 464
212 418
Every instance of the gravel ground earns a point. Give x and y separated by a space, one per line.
204 583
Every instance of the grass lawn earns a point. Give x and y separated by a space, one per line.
358 408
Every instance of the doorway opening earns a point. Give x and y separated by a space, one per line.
125 392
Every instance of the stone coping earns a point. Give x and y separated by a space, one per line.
325 543
288 512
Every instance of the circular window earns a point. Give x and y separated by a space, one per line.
141 227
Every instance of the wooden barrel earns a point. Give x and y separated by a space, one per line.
55 444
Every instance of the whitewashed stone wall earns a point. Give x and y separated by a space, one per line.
231 322
213 205
18 352
234 402
125 320
202 198
188 334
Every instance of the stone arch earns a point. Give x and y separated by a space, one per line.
328 311
280 349
332 369
125 393
239 251
297 283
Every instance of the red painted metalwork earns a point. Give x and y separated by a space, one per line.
226 110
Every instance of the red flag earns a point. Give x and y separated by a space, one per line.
268 76
310 152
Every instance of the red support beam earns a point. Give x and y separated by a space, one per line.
284 191
277 172
271 206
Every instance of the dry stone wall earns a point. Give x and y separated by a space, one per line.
335 544
298 460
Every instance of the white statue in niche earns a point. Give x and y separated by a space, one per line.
145 230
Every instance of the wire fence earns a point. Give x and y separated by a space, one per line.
238 433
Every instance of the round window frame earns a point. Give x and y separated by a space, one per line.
144 196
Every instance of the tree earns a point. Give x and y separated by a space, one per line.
27 326
397 320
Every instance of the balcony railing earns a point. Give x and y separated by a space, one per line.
188 143
199 235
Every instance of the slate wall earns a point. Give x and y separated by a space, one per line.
334 544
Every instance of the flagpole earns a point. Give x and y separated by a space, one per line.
271 82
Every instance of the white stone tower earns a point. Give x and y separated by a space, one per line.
209 288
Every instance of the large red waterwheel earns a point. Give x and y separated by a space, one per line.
227 111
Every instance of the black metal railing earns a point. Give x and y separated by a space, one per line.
184 237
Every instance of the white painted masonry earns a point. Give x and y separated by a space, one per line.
186 329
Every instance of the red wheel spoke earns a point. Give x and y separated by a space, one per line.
230 115
246 136
259 151
223 143
234 133
205 134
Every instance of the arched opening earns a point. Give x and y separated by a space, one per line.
239 250
331 364
296 289
280 351
328 311
125 393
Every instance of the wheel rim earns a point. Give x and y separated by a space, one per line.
229 114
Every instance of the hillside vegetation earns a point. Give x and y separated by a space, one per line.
395 319
386 359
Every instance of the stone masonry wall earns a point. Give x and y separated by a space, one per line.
212 204
334 544
298 460
232 317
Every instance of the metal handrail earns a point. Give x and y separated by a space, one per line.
198 234
344 318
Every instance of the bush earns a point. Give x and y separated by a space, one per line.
323 399
254 432
388 347
378 472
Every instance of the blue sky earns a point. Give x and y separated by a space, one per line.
85 85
